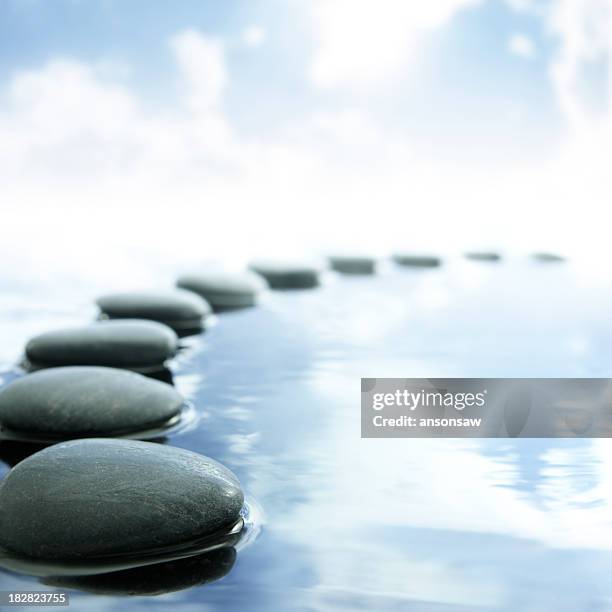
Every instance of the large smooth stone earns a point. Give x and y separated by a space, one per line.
76 402
352 264
418 261
181 310
225 290
289 274
88 499
132 344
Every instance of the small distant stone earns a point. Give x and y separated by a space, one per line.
346 264
132 344
419 261
225 290
483 256
548 257
95 498
77 402
289 274
183 311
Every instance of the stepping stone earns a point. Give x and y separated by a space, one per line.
225 290
133 344
183 311
483 256
418 261
346 264
289 274
80 401
548 257
156 579
97 499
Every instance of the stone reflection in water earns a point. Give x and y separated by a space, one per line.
154 579
12 452
163 374
517 410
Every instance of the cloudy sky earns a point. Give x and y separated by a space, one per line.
227 129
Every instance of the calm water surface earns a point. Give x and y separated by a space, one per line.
342 523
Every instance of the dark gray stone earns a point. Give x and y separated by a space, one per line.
288 275
225 290
548 257
418 261
346 264
180 310
132 344
75 402
95 498
483 256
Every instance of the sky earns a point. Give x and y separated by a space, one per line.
148 131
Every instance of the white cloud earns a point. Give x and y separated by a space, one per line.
585 31
64 115
523 5
67 122
582 32
202 63
521 45
253 36
362 42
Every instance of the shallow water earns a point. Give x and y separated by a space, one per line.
347 524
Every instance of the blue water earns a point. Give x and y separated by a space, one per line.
342 523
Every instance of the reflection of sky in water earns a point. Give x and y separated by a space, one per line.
400 524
